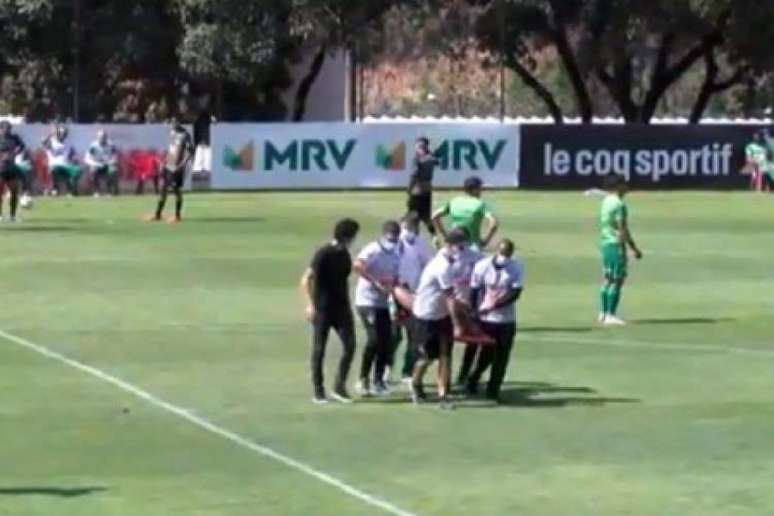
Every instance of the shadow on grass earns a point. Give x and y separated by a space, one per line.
38 229
545 395
684 320
556 329
227 220
62 492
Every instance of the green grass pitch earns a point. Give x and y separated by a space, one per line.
673 415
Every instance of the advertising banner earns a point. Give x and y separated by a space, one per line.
139 146
342 155
649 156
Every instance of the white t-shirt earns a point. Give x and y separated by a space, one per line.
414 258
99 155
59 153
463 271
495 282
436 281
383 266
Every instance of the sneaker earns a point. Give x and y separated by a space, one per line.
341 395
151 218
380 389
601 317
612 320
406 380
14 220
320 399
96 195
418 395
364 389
445 404
471 389
387 376
173 220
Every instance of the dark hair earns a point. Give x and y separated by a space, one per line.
507 245
5 123
346 230
412 218
457 236
424 140
613 181
390 228
472 184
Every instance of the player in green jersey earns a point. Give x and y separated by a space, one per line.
615 241
469 212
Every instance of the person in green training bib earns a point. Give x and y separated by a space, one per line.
757 161
469 212
615 241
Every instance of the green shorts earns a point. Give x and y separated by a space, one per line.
614 262
70 171
12 173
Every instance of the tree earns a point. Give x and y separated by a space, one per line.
636 49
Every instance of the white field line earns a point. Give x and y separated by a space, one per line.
209 426
633 343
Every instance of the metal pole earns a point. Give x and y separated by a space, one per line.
501 29
76 60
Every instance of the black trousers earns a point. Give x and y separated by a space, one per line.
344 326
422 205
409 357
497 355
378 327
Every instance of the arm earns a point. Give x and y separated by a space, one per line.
626 238
438 221
452 305
509 298
475 299
307 287
492 226
360 267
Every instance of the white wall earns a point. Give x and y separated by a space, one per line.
328 98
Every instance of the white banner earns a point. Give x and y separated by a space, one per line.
343 155
138 146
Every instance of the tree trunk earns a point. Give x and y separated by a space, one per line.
570 62
305 86
535 85
711 86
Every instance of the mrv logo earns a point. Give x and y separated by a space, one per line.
713 159
470 154
306 155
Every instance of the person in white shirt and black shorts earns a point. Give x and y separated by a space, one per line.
435 318
378 265
496 287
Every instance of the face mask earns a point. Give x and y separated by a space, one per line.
409 236
389 245
500 261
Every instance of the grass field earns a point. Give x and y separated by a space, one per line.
673 415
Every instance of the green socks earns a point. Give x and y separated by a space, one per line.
610 298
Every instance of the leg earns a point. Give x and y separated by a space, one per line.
502 354
471 351
178 202
162 198
485 358
320 332
615 295
346 331
409 356
13 187
445 336
368 318
383 344
426 212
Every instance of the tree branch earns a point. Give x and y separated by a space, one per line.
570 62
539 88
711 86
305 86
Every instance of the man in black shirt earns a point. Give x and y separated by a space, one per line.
11 147
326 289
176 160
420 189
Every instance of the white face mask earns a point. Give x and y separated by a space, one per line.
389 245
500 260
409 236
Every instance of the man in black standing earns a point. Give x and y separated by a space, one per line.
11 147
420 189
176 160
326 290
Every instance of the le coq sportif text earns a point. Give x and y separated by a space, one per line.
714 159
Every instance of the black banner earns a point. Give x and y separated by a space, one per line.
650 156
